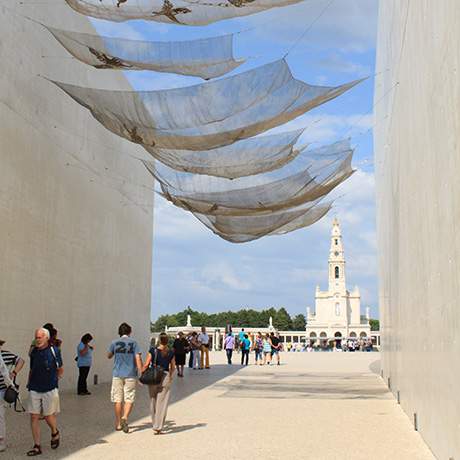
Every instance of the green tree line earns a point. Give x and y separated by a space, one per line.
246 317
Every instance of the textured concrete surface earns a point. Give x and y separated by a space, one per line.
322 406
417 149
76 225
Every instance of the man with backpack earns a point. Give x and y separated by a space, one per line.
46 369
7 378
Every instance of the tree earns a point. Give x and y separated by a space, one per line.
299 322
375 324
282 321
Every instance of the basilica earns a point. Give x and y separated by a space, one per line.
337 310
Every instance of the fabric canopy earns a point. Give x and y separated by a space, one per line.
187 12
322 170
208 115
243 158
242 229
206 58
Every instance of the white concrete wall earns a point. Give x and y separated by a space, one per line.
75 232
417 148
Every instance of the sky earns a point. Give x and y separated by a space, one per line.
192 266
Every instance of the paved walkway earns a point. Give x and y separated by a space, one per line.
321 406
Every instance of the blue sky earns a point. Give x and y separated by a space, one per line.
192 266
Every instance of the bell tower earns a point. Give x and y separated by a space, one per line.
336 261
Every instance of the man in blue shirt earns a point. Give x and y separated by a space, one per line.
46 369
127 363
245 347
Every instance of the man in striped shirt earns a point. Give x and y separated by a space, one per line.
11 360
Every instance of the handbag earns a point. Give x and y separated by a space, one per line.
11 395
154 374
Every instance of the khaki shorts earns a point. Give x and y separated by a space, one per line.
123 390
44 403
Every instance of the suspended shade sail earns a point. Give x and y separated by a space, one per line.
241 229
209 115
205 58
270 192
244 158
190 12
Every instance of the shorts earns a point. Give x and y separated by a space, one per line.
275 352
123 390
44 403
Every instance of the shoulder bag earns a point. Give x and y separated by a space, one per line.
154 374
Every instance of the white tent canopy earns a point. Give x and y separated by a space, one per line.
187 12
206 58
209 115
243 158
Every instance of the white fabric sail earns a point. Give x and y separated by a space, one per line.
243 158
311 176
209 115
187 12
242 229
206 58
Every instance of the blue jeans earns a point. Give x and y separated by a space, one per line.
229 352
244 357
258 355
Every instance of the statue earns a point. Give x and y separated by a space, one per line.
270 324
189 321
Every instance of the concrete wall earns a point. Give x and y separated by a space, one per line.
75 229
417 148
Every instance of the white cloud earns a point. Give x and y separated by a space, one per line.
223 273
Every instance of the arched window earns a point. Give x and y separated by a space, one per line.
323 334
363 334
352 334
313 335
338 335
336 242
337 272
337 309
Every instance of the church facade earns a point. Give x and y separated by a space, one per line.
337 311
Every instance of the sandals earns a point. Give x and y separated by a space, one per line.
124 425
36 450
54 441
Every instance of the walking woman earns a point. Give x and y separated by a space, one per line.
84 361
258 348
162 356
180 349
267 349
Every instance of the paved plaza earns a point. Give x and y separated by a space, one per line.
321 406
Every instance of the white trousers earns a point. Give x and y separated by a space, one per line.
2 418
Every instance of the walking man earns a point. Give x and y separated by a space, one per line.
46 368
229 345
7 378
245 347
276 346
203 338
127 363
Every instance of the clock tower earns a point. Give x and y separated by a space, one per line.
336 261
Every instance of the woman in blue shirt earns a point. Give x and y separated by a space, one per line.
163 357
84 361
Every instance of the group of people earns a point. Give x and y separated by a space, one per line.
46 369
266 347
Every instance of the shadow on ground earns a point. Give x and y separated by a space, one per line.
86 420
